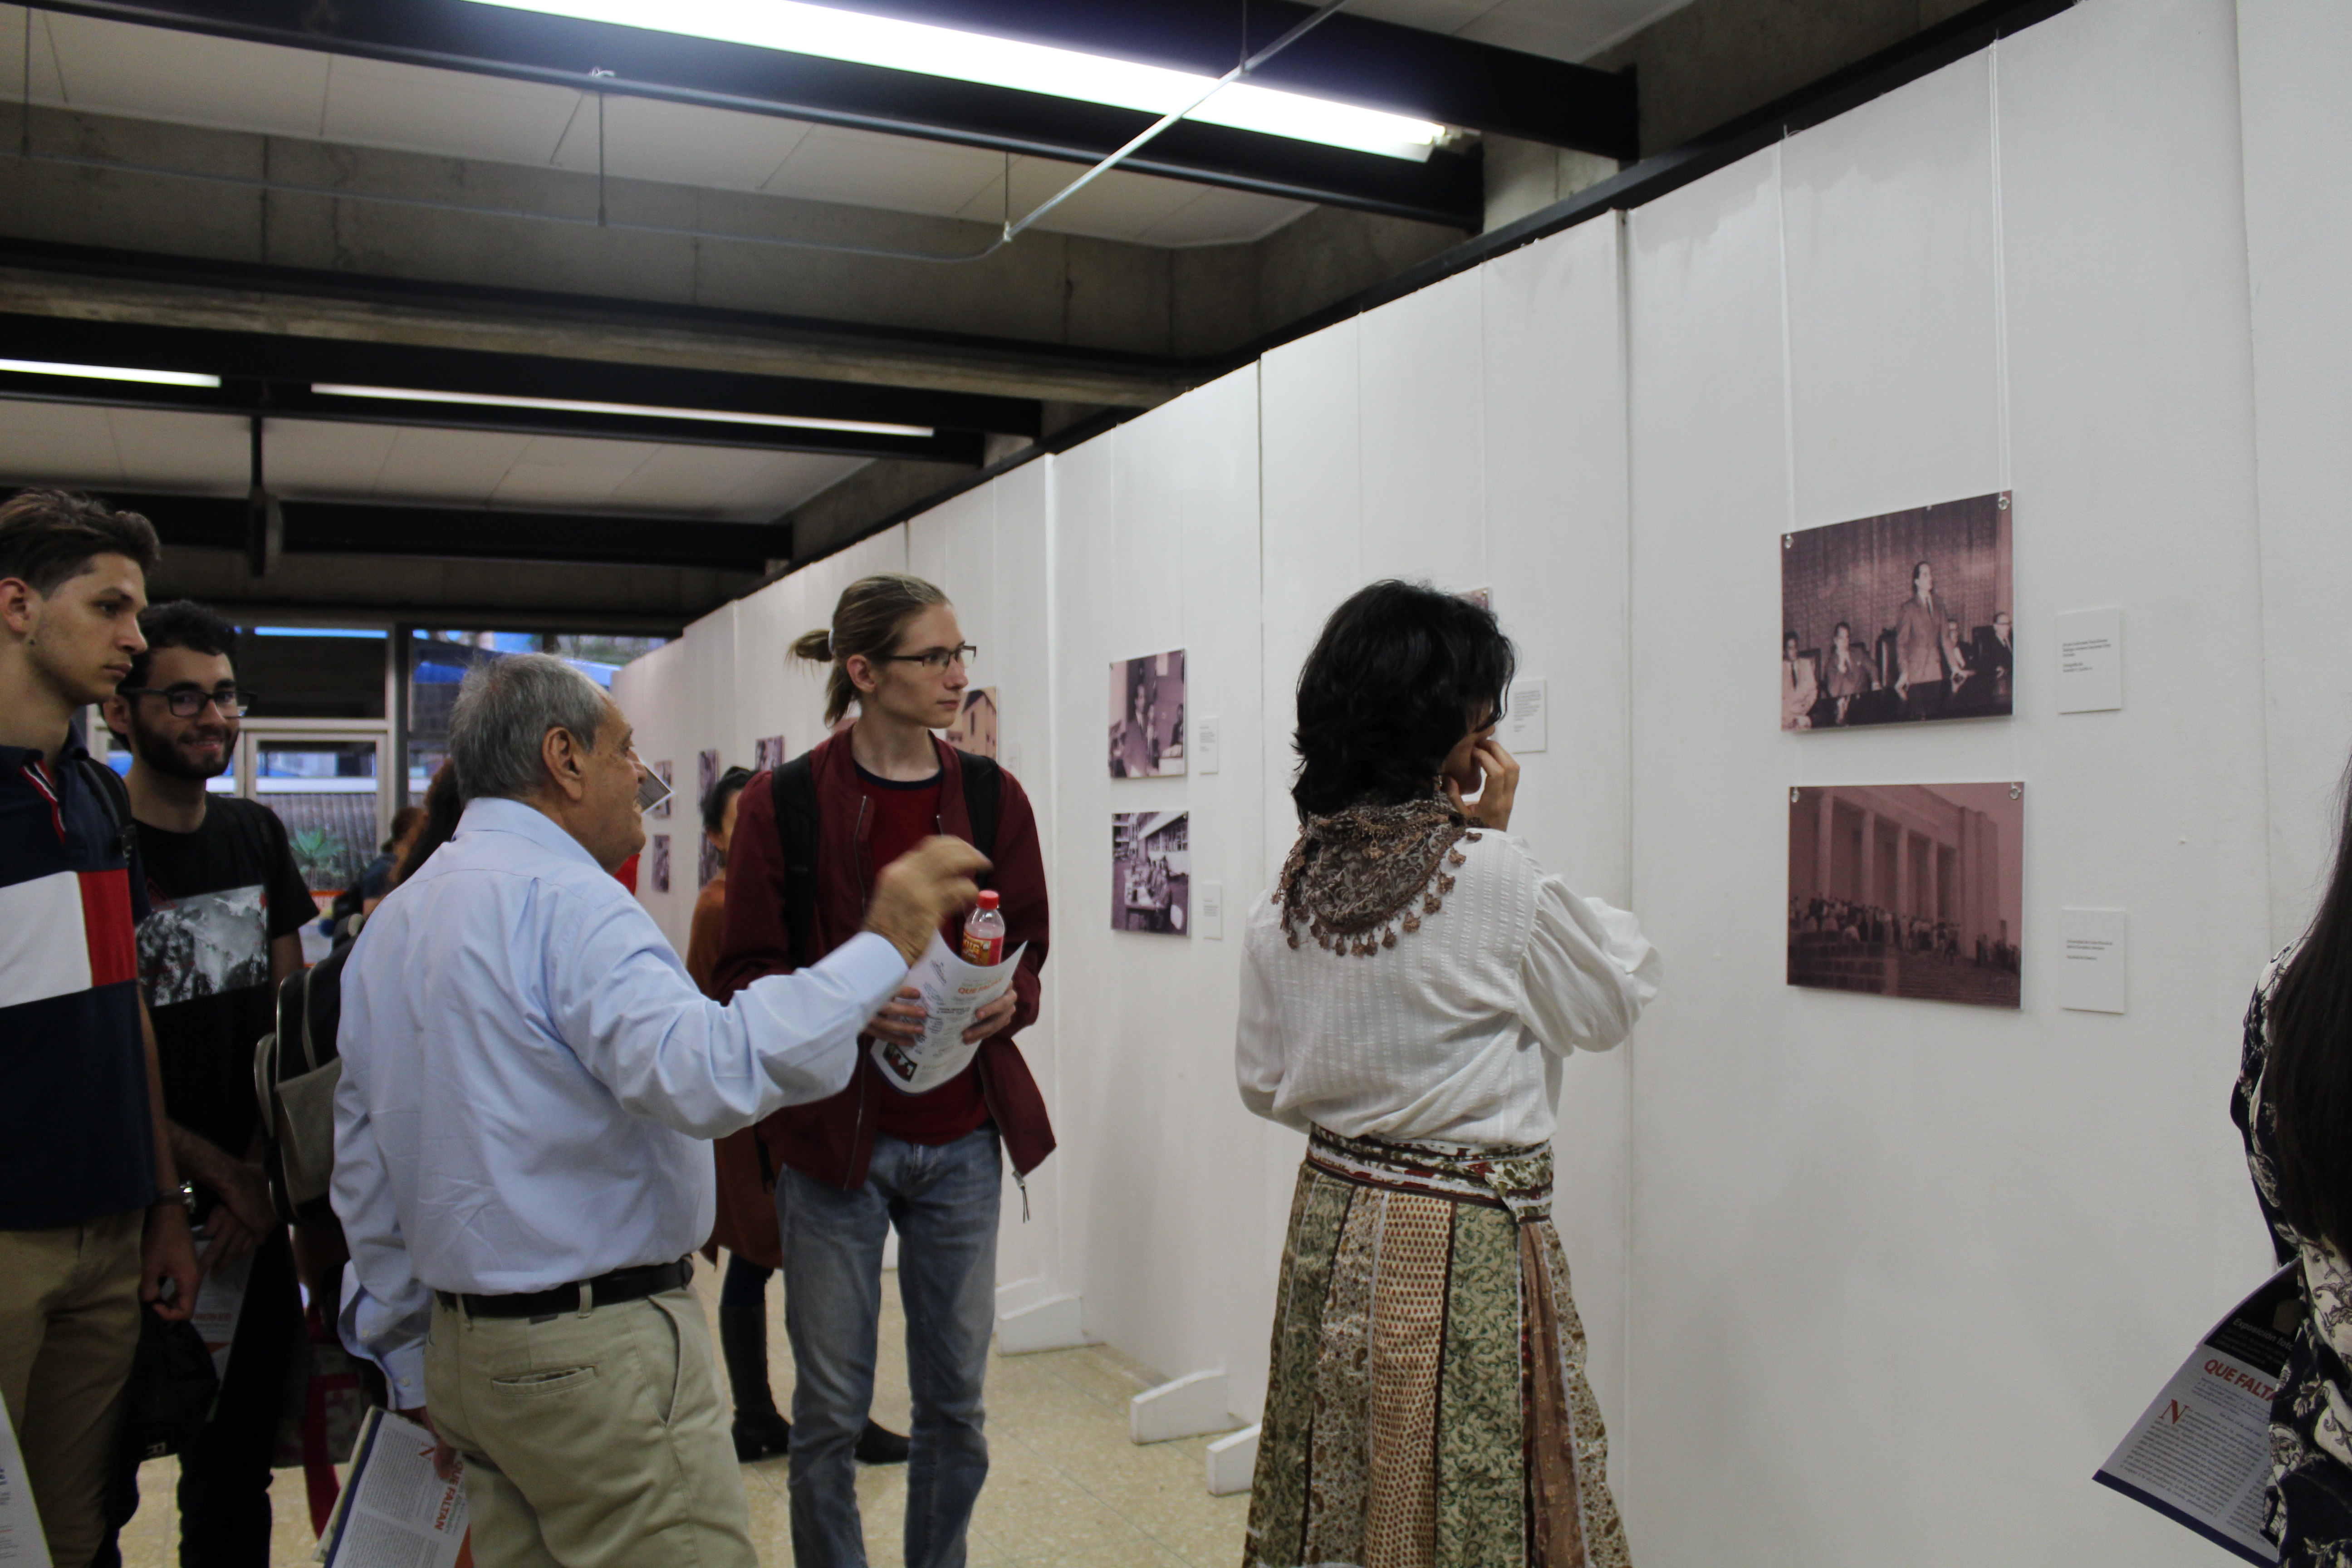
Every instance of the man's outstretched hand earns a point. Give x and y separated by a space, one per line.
920 890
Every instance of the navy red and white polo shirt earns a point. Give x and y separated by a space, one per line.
76 1140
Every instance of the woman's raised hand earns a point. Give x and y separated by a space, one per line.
1498 774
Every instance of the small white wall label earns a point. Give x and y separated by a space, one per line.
2090 660
2095 954
1204 745
1524 720
1209 910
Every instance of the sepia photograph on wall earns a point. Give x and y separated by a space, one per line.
663 771
1151 872
1147 716
1903 618
974 729
767 754
1910 890
660 869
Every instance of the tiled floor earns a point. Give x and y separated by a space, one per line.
1066 1488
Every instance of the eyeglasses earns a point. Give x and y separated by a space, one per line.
187 701
934 659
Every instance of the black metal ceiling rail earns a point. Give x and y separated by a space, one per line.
273 376
477 533
506 303
457 35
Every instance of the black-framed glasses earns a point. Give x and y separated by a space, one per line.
934 659
187 701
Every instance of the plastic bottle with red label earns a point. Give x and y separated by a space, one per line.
983 933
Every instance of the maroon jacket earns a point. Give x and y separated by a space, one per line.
832 1140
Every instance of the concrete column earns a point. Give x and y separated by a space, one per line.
1935 879
1822 844
1964 871
1869 894
1903 871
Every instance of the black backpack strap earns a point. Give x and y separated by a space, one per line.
792 790
114 799
322 1007
983 798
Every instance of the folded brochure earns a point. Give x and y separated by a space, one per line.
396 1511
952 992
2200 1455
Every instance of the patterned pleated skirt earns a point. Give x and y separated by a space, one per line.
1427 1406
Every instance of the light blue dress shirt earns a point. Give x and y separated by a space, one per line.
529 1076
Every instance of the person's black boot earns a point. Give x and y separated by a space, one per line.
877 1444
760 1431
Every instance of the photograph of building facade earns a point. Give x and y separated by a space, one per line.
1906 891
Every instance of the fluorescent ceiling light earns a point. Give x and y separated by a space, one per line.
110 372
805 29
635 410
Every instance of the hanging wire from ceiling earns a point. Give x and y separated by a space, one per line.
1010 232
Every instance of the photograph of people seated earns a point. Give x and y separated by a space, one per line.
1897 619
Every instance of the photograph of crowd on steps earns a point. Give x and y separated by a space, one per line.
1899 619
1908 890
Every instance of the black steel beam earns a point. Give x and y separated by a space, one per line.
351 527
502 302
272 376
459 35
278 357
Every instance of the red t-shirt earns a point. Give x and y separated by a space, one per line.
902 815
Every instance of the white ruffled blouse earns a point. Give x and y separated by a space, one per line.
1456 1034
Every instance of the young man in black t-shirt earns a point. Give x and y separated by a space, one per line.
226 904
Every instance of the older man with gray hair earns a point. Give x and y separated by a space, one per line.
529 1076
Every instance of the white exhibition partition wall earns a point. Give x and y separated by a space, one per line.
2293 60
1905 1272
1155 547
1867 1281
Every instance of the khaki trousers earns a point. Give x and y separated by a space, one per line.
592 1439
68 1326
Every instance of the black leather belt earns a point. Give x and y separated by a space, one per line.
604 1290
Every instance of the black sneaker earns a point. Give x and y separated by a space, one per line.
761 1436
879 1446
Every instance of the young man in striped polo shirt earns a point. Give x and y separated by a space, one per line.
90 1219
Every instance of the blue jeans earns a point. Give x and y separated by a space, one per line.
943 1200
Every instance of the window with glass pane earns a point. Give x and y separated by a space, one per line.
324 791
438 660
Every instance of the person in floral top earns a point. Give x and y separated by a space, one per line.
2292 1100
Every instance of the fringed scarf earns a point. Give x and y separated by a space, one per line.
1359 877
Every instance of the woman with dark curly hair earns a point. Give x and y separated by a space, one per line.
1411 985
2293 1107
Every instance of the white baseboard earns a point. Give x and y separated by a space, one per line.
1052 1324
1232 1462
1184 1408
